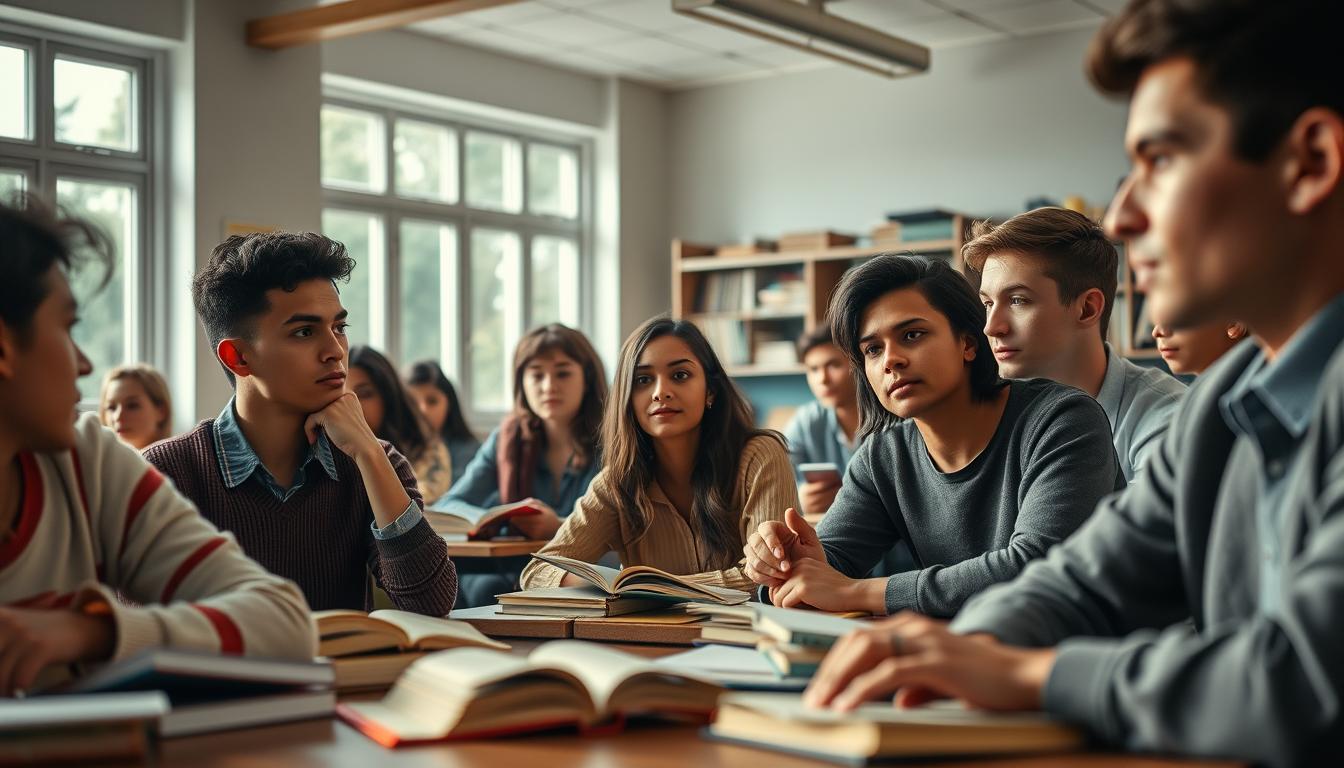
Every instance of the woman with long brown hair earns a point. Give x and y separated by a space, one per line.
545 451
391 414
686 475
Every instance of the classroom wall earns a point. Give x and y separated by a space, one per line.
986 128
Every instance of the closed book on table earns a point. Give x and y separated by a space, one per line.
644 580
791 660
490 621
473 693
800 627
879 730
574 602
466 524
210 692
668 627
81 728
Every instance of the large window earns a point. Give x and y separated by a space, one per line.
464 236
73 129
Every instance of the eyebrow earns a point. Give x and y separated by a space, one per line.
315 318
896 327
1010 288
673 364
1161 136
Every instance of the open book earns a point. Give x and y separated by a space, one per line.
880 730
462 522
475 693
345 633
643 580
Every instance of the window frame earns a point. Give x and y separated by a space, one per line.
43 160
464 219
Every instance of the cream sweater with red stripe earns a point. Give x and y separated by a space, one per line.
100 519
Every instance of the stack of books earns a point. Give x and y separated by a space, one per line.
814 241
643 581
473 693
370 651
464 524
574 602
796 641
727 624
209 693
99 727
879 731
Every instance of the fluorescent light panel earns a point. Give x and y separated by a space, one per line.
809 28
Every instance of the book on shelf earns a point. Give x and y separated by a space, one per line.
473 693
462 523
815 240
925 224
210 692
732 290
574 602
83 728
728 337
644 580
493 623
879 730
371 650
759 245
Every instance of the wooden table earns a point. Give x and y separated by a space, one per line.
641 745
493 548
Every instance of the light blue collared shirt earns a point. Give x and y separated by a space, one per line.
1271 406
239 461
1140 403
814 435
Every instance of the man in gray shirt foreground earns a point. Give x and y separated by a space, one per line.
1234 208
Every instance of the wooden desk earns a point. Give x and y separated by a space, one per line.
493 548
333 743
640 745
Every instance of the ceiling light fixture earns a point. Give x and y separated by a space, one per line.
810 28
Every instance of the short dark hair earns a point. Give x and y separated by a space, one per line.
944 288
813 338
33 238
1264 62
1075 250
231 290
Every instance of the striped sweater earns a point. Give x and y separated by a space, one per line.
98 519
763 490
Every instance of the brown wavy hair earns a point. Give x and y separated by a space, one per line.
725 429
587 423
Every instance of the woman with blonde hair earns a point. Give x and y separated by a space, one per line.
135 404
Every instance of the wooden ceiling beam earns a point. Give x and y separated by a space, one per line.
351 17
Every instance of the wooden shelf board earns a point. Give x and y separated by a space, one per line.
749 315
715 263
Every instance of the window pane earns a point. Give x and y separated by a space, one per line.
428 250
102 327
352 150
494 173
426 161
95 105
555 281
12 184
494 302
552 181
362 234
14 92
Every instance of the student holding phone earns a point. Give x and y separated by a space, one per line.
822 433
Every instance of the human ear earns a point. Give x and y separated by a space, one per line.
1315 163
230 353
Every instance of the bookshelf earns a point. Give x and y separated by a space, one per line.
1130 331
753 307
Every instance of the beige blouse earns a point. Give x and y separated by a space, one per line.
765 488
433 471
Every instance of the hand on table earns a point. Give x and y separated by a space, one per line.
33 638
919 660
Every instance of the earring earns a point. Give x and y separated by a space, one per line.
1236 331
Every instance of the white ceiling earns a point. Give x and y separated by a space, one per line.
645 40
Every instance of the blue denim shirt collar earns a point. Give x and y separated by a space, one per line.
1286 389
237 459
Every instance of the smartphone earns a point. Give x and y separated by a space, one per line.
821 471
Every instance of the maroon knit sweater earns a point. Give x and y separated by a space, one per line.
320 538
